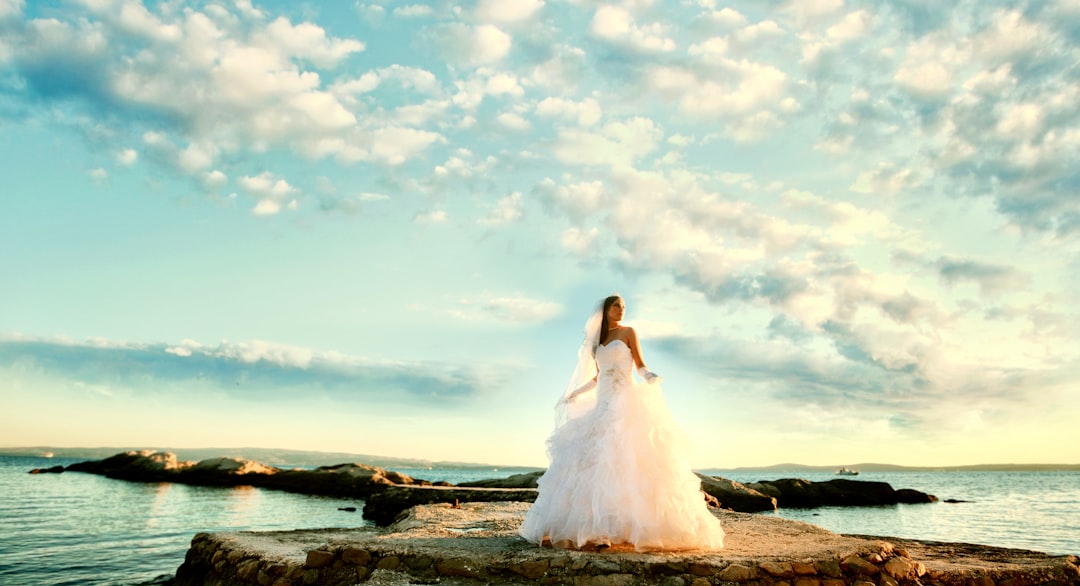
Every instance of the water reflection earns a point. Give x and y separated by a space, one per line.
241 504
159 506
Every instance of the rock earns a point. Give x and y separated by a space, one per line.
343 480
531 570
899 567
858 565
223 472
384 507
478 544
765 489
803 494
777 569
736 496
526 480
231 466
829 567
455 567
737 573
347 509
318 558
725 493
355 555
53 470
349 480
914 497
141 466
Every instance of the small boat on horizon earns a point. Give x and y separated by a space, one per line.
846 472
47 455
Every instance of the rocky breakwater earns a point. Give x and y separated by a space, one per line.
343 480
384 507
477 543
797 493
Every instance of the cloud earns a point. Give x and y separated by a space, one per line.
255 370
886 180
269 190
514 309
127 157
617 143
211 84
483 44
751 97
412 78
579 241
507 11
795 260
413 11
506 210
521 309
991 278
586 112
616 25
431 217
576 201
11 8
562 72
514 122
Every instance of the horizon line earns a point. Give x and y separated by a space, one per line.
778 466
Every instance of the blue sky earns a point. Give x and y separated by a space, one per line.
845 231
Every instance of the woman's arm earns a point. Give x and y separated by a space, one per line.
635 347
639 362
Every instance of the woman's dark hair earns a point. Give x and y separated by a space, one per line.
608 302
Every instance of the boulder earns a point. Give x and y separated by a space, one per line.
736 495
798 493
722 492
234 466
225 472
385 506
913 497
54 470
341 480
141 466
525 480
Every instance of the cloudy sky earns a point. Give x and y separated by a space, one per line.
846 230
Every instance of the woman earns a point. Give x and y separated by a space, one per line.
618 473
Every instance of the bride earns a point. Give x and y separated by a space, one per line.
619 472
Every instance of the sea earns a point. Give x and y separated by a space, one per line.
76 528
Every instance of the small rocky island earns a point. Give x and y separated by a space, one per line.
467 534
386 494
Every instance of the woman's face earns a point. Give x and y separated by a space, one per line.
616 311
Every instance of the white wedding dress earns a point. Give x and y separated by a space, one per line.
619 472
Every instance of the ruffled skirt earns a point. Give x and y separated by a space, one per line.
619 474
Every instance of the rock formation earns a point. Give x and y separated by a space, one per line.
387 493
477 543
797 493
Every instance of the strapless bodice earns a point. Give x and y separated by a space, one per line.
615 363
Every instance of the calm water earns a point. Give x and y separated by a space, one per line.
1024 510
76 528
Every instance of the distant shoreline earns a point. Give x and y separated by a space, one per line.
877 467
284 457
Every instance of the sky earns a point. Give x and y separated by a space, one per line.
846 231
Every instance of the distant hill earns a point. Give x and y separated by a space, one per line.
300 458
877 467
270 456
